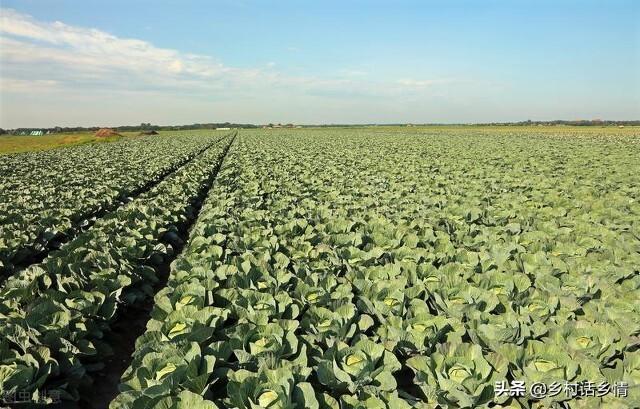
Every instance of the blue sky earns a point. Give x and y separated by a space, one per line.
169 62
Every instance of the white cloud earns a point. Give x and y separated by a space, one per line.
19 85
413 83
26 41
87 56
74 64
353 73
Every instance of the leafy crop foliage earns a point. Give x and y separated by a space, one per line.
45 196
376 269
53 315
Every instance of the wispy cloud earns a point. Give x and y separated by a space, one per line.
25 41
413 83
18 85
55 51
353 73
39 56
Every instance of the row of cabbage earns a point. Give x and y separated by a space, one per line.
54 315
361 270
45 196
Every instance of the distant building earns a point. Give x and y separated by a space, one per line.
223 129
31 132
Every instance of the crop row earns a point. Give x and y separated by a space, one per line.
366 271
54 315
46 196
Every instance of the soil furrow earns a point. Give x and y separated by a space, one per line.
132 319
87 221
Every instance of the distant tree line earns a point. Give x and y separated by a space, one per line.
591 122
142 127
213 125
578 122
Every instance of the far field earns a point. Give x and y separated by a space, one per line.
27 143
15 144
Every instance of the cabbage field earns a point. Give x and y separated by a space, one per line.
325 268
